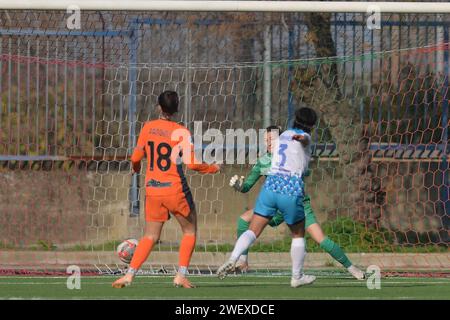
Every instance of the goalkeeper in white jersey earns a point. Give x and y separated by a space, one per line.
283 191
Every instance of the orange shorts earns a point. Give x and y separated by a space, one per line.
157 208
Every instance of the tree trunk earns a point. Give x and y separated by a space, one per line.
360 192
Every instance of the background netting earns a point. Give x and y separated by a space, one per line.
72 102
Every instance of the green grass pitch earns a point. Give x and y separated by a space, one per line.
233 287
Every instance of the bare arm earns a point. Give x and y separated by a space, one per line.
138 152
186 148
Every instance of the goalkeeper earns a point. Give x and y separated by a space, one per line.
311 225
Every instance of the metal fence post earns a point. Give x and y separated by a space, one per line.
267 90
290 71
134 187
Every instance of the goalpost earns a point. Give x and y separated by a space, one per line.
235 6
78 80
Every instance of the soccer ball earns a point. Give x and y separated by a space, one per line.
125 250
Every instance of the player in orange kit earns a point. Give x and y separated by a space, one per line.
166 144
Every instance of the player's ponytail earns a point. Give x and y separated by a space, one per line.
305 119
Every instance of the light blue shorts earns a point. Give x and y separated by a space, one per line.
290 206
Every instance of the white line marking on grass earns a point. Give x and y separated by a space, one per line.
245 282
215 298
207 276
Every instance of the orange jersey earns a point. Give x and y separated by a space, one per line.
163 142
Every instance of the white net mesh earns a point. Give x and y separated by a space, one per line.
71 98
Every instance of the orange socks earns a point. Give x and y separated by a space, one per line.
186 248
142 252
145 247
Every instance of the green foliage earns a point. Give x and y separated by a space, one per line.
5 246
107 246
45 245
350 235
353 236
30 130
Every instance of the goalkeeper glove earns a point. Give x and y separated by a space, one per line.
237 182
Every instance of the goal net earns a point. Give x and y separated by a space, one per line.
77 86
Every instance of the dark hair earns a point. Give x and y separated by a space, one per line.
305 119
273 128
168 100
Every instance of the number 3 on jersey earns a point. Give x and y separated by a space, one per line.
163 151
281 153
